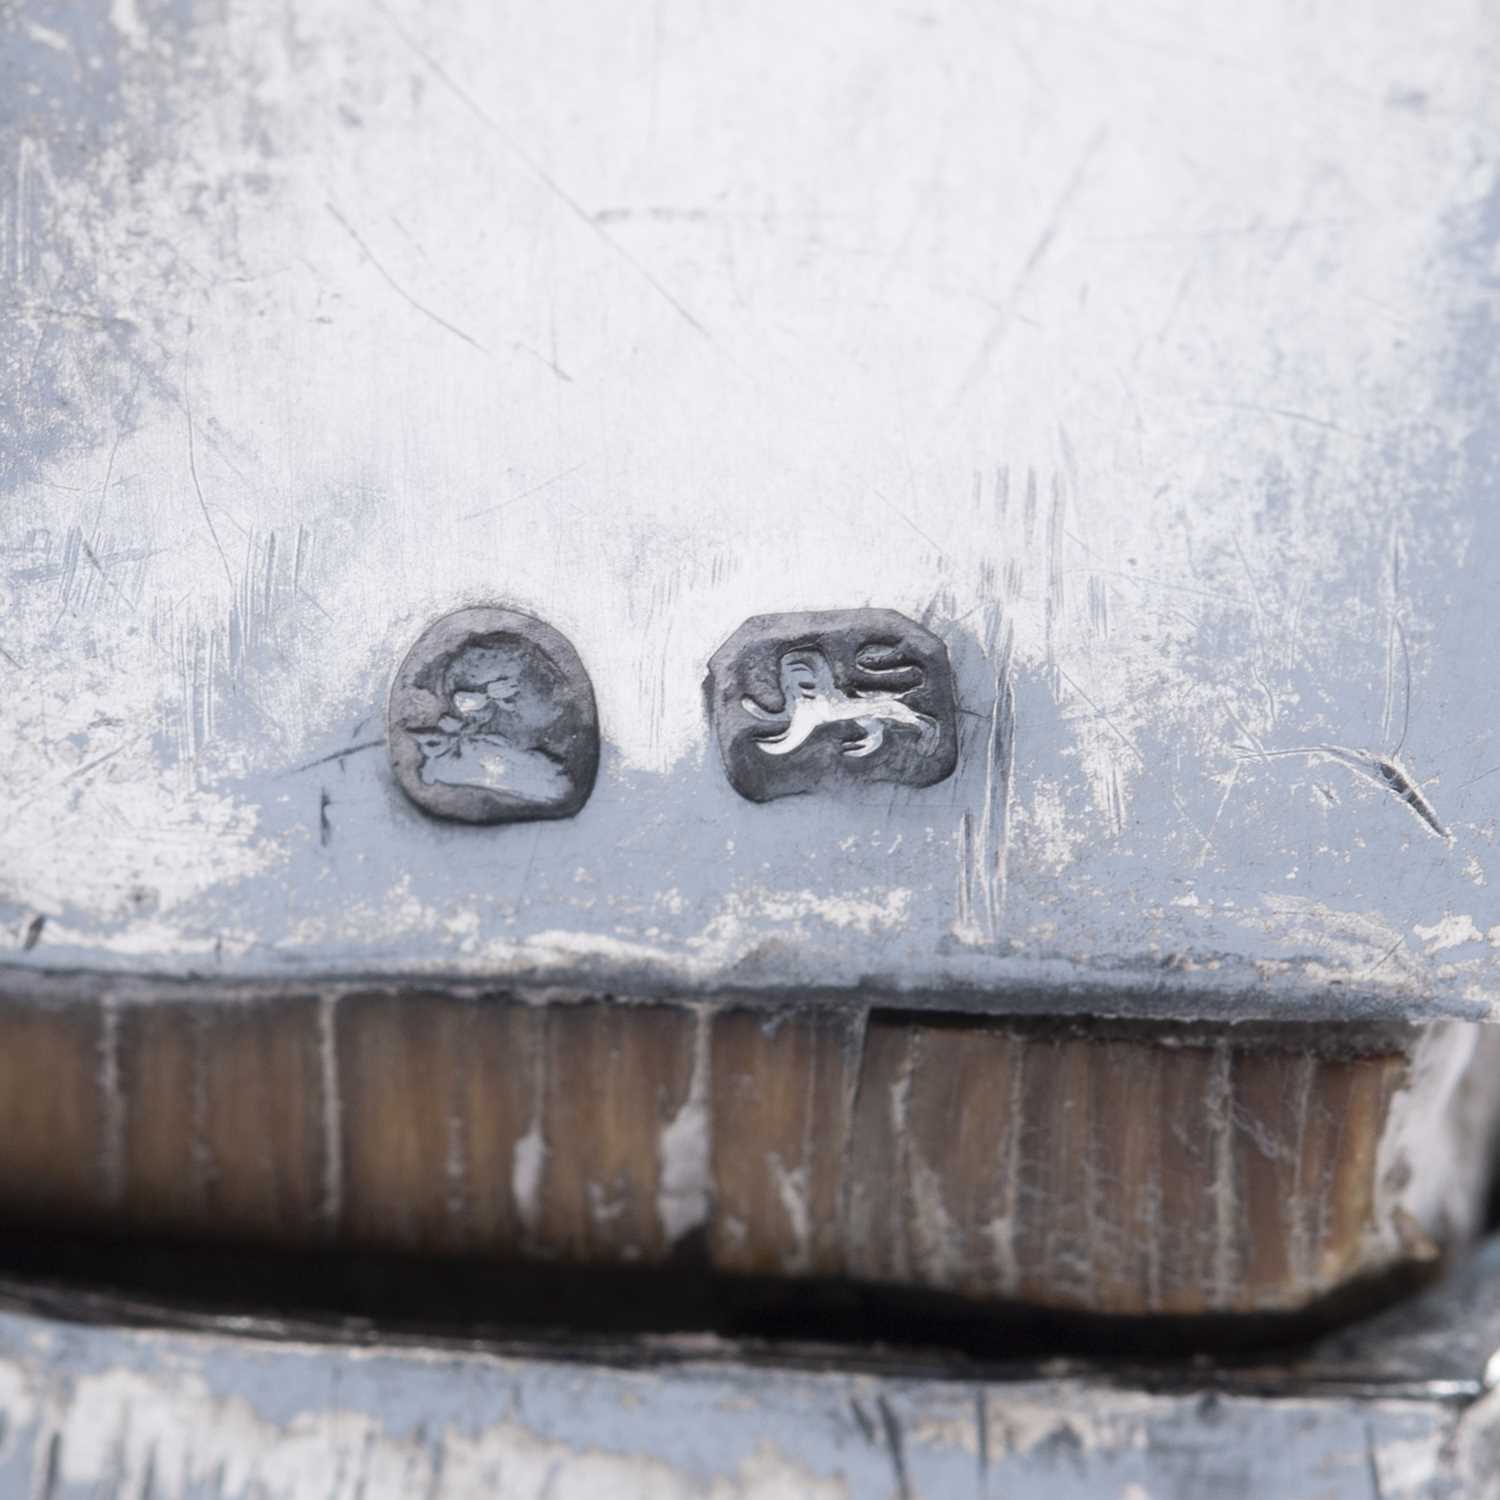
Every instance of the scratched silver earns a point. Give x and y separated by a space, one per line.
1146 354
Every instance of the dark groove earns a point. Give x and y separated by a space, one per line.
156 1280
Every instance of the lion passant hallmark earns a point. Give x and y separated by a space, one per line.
820 700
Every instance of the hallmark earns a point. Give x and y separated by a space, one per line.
492 720
815 701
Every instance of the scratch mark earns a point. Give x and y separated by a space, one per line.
1254 230
490 510
1399 632
964 920
1401 783
1376 1489
982 1432
88 551
1383 770
539 172
1055 598
148 1480
984 842
88 548
1143 580
297 585
1256 667
94 764
1043 243
1384 959
1115 798
51 1466
1203 853
1003 764
525 882
323 760
1250 738
1099 713
20 801
547 360
33 932
396 286
302 593
202 503
1292 631
894 1443
1480 777
69 569
965 914
269 590
1117 794
1292 416
892 506
325 827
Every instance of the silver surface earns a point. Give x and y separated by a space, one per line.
1144 352
98 1396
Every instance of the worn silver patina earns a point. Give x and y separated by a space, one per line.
1146 358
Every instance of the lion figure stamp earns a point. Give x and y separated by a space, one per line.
839 698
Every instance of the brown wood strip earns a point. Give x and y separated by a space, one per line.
262 1078
783 1090
1129 1173
1273 1096
434 1093
56 1104
166 1174
876 1217
963 1159
614 1078
1123 1206
221 1120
